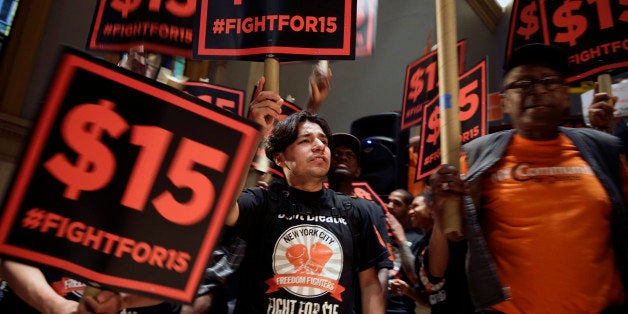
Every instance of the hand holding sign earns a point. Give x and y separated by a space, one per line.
113 158
265 107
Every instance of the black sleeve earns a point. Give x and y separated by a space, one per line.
251 203
372 247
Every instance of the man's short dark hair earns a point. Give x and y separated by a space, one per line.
286 132
406 197
544 55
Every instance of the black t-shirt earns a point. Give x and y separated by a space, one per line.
304 250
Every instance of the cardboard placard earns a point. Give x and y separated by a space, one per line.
287 30
593 33
125 181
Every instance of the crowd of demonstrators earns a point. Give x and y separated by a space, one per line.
295 246
447 293
344 169
405 240
544 205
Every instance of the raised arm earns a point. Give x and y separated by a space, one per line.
405 253
264 109
320 85
602 111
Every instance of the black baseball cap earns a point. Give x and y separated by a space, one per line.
549 56
348 140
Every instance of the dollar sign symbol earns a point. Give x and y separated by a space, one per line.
434 125
575 24
82 129
528 16
416 84
125 6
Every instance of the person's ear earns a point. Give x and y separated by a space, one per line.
358 172
504 102
279 159
565 101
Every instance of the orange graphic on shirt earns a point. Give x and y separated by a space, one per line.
311 262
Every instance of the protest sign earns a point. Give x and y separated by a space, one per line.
223 97
472 101
593 33
366 25
287 30
364 190
161 26
125 181
421 85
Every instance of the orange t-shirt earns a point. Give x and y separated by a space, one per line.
546 218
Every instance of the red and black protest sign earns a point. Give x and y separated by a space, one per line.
125 181
593 33
223 97
288 30
364 190
472 100
366 25
421 85
162 26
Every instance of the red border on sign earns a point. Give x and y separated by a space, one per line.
67 67
344 51
165 49
462 51
373 193
240 93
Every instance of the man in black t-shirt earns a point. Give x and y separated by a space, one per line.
307 246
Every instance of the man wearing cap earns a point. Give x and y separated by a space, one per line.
343 170
544 205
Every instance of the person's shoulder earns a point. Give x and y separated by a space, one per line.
256 191
488 138
592 134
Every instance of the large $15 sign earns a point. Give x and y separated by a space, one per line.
593 32
164 26
472 101
125 182
421 85
82 129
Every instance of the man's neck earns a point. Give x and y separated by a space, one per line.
311 185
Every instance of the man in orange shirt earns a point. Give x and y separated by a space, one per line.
544 205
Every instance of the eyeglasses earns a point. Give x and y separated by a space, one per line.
550 83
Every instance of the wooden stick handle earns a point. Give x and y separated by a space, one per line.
605 84
271 72
89 291
449 108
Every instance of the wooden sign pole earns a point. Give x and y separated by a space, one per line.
271 72
449 108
